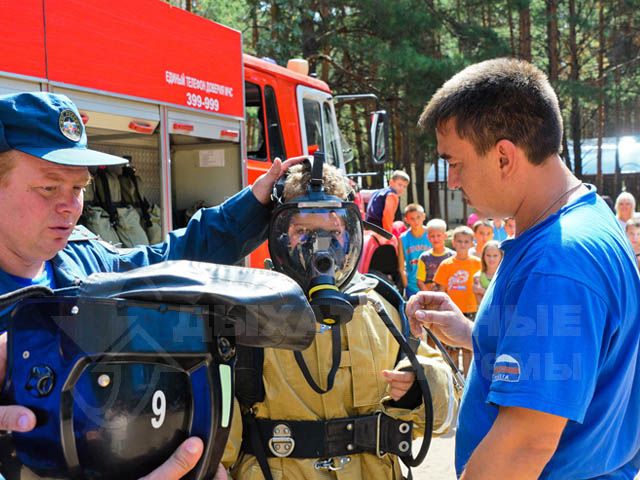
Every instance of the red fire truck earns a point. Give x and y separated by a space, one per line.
171 91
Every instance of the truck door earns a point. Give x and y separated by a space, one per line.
205 156
318 124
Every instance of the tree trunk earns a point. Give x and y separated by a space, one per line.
553 39
326 47
616 92
565 149
398 153
512 40
420 177
446 194
434 195
599 179
275 15
574 75
524 49
255 32
310 45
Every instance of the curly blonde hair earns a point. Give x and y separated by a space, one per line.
299 176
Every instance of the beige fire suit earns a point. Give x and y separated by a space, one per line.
368 348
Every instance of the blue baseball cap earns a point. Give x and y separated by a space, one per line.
48 126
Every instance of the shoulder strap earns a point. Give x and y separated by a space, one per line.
248 385
249 389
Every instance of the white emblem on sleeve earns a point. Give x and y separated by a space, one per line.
506 369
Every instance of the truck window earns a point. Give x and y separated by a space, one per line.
254 118
331 139
274 131
312 123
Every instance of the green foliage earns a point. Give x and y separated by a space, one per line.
403 50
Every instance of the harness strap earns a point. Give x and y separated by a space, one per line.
256 446
377 433
336 355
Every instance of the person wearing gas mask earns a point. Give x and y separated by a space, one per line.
44 164
348 406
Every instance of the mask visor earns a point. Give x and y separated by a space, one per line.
311 239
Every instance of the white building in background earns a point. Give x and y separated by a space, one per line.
628 148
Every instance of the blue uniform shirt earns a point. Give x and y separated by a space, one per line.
223 234
558 331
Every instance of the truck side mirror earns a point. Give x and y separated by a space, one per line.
379 137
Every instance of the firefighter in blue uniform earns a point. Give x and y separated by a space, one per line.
44 164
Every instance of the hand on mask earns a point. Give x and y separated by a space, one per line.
399 382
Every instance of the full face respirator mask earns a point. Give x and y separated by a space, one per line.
316 239
124 368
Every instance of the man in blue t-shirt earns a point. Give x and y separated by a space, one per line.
553 390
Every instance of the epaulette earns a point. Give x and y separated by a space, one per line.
82 233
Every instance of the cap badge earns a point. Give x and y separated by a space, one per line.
70 125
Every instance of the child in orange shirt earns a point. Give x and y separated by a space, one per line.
455 276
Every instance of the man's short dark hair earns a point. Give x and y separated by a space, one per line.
497 99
